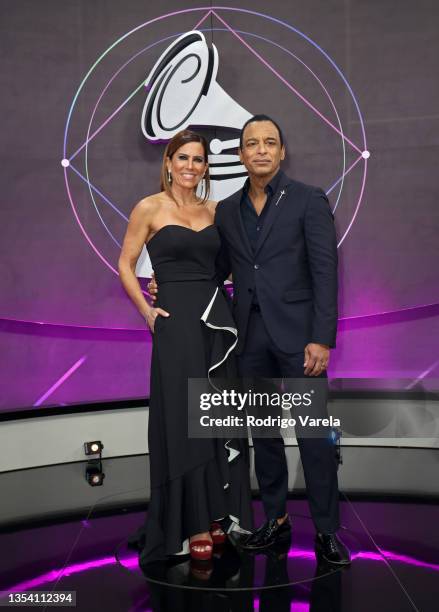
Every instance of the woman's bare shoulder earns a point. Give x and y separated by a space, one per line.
149 205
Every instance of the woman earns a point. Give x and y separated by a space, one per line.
194 482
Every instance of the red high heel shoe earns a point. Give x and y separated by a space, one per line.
201 555
217 533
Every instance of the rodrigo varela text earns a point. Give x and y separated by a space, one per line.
252 421
250 399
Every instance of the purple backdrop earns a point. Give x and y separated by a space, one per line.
69 334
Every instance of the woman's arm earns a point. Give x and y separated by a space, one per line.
139 228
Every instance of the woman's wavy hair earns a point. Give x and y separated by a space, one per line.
180 139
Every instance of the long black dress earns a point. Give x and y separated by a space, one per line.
193 481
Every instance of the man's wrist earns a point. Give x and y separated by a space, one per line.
324 343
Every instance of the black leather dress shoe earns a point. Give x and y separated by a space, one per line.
268 534
329 547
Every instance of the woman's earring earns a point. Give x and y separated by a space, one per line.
169 177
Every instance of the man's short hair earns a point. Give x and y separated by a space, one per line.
256 118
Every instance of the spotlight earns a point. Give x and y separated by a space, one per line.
94 474
335 436
93 448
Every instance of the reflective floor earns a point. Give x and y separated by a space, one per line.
394 549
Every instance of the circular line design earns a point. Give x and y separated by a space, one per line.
322 86
87 237
330 60
91 121
135 91
212 8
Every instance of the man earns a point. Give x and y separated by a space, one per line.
281 249
279 244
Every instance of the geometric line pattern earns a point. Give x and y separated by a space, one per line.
211 11
140 87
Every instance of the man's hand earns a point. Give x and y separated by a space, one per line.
316 359
153 313
153 288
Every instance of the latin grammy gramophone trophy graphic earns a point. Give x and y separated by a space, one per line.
182 90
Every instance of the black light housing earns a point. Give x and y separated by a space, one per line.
93 448
94 474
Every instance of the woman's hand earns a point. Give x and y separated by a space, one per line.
152 315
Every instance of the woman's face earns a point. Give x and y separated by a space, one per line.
188 165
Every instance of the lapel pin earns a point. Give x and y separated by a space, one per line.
282 193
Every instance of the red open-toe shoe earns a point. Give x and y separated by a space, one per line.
201 555
217 533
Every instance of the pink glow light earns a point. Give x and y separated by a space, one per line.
60 381
132 563
370 315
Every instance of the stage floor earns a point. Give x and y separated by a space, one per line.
394 547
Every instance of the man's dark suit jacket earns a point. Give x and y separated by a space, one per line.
293 269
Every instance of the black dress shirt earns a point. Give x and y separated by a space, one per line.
253 222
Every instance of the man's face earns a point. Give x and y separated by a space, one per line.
261 151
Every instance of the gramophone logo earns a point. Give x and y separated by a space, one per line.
183 92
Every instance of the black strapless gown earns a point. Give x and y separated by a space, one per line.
193 481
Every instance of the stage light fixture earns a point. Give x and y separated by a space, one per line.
93 448
94 474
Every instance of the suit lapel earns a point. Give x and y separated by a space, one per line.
239 225
278 201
